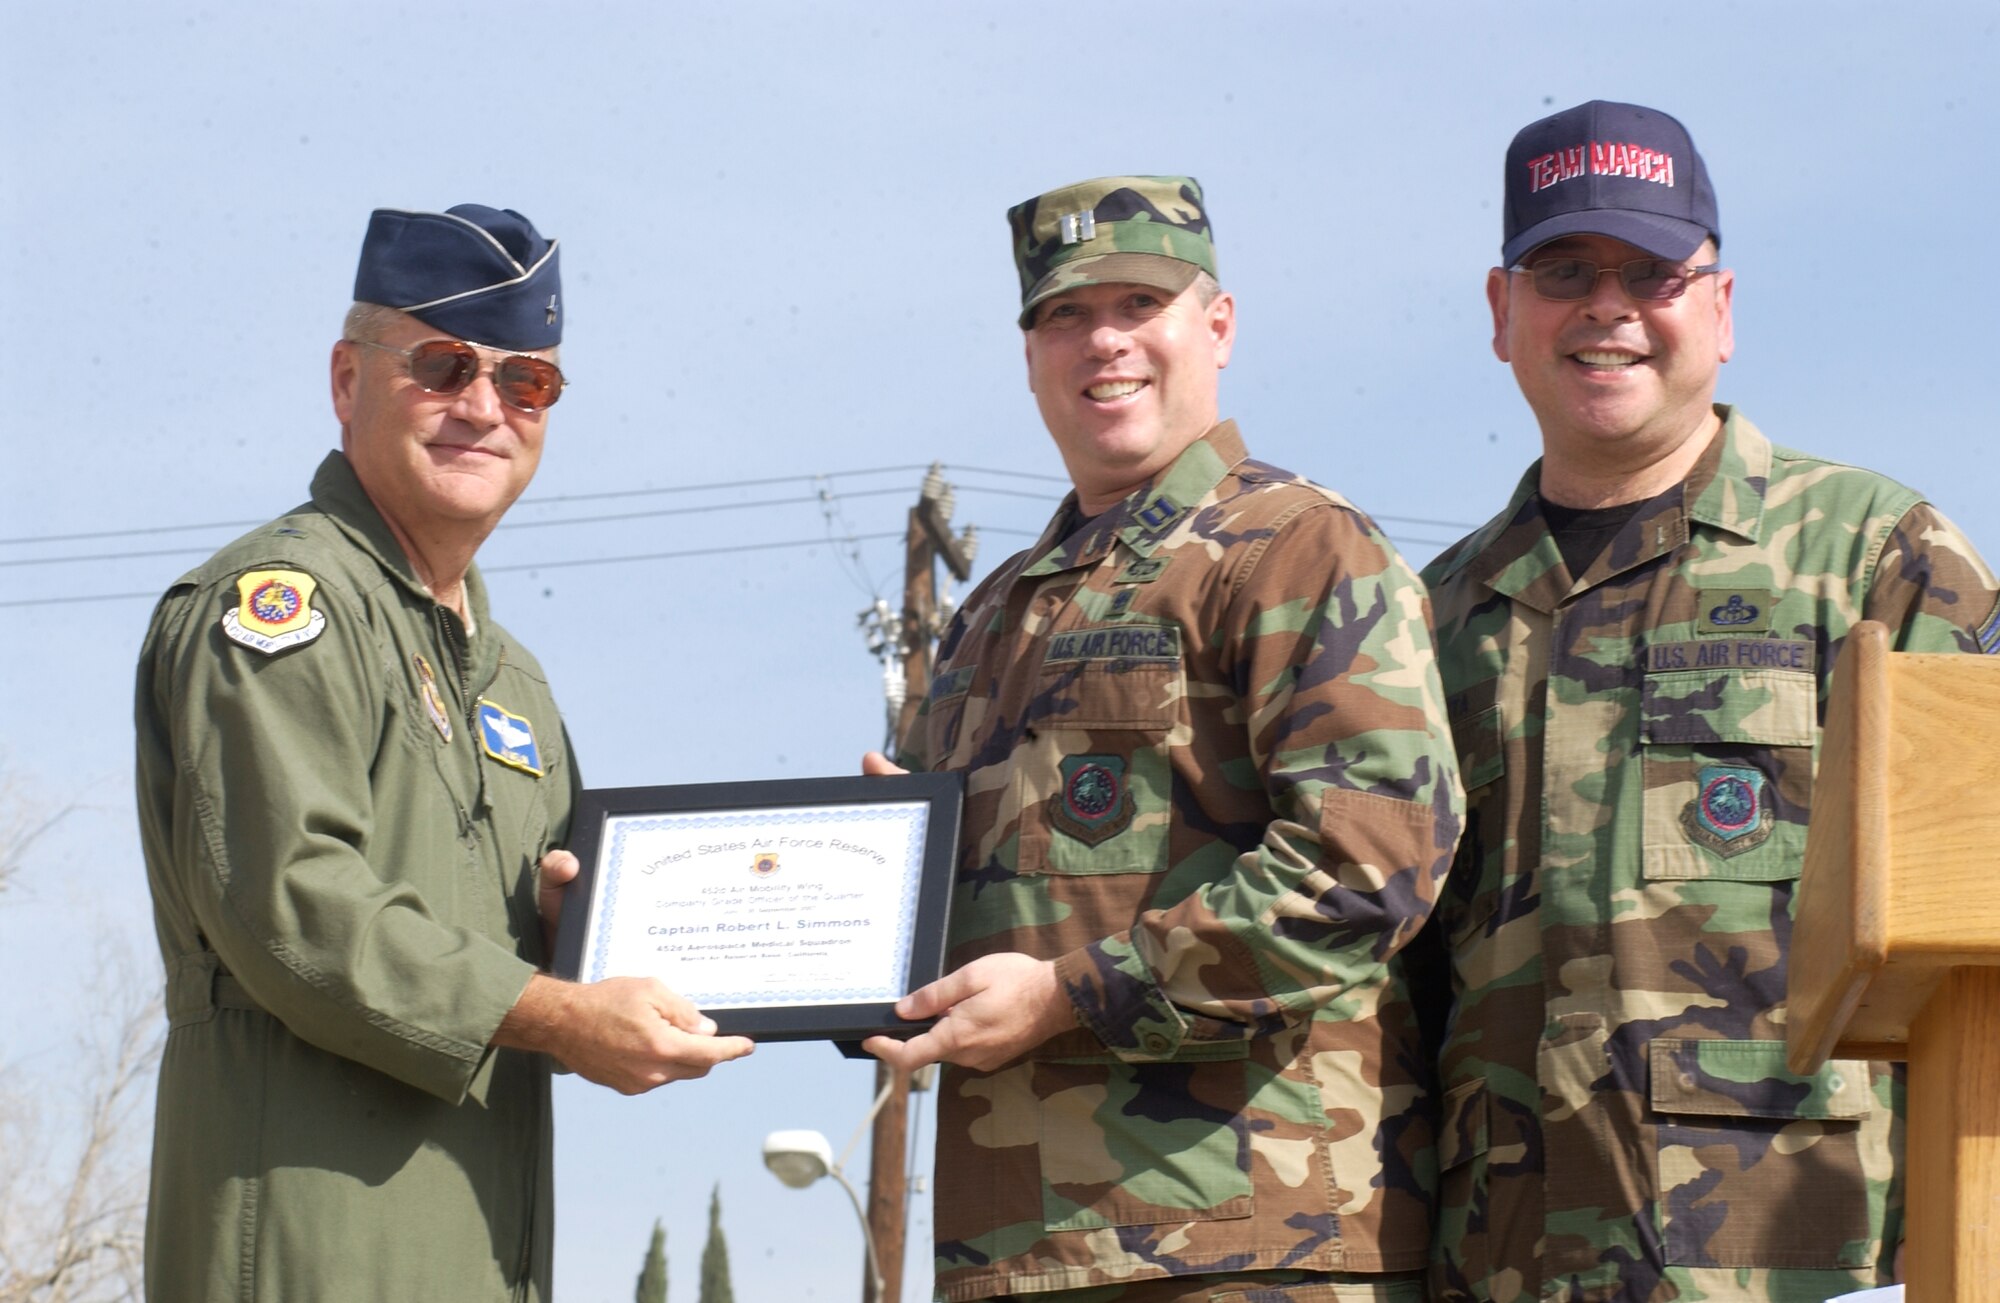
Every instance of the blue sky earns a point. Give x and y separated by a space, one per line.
786 261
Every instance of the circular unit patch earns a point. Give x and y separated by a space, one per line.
275 601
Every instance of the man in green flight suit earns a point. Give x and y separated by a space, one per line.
1209 796
350 782
1637 651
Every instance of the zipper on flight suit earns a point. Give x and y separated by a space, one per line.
446 623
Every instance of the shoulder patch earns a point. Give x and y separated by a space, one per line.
273 611
509 738
1989 633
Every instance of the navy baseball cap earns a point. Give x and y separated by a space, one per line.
1620 170
482 274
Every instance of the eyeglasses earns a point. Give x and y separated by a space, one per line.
1651 280
445 366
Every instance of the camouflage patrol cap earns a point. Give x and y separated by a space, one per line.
1141 230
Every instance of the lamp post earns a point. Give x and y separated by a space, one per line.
799 1158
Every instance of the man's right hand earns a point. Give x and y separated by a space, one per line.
628 1033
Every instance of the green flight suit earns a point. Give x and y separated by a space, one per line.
341 832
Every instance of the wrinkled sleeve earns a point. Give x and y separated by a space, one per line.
273 829
1933 590
1328 652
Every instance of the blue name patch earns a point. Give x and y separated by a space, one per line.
509 738
1126 642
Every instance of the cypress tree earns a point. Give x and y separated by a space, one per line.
653 1276
715 1286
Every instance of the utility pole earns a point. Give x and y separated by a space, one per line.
928 541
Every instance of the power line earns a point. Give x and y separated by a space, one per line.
504 569
606 495
819 499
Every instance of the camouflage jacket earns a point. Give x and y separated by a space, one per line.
1637 746
1207 774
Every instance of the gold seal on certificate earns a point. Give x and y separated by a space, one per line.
789 910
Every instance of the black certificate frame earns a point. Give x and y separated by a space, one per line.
944 795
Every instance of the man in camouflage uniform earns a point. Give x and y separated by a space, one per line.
1637 651
348 774
1209 798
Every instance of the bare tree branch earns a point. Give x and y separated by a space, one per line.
73 1183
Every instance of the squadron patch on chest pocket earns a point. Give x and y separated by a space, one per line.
1094 803
273 611
509 738
1729 814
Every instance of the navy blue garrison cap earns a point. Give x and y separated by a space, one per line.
482 274
1608 169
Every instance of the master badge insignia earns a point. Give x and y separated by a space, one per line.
427 688
1734 610
273 611
509 738
1095 801
1729 814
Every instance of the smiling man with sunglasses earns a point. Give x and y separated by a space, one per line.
1636 653
352 782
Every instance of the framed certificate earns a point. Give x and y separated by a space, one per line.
787 910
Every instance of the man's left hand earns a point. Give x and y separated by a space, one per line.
559 868
996 1008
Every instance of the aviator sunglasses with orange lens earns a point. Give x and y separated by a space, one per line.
1652 280
445 366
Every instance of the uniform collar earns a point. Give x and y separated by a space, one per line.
1142 520
1726 488
337 492
1514 555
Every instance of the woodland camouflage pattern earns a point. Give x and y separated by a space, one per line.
1145 230
1207 774
1637 748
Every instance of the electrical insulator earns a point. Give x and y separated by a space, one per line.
893 689
968 542
947 501
934 481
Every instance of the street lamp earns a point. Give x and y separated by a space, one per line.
799 1158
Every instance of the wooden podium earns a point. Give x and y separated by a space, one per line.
1896 949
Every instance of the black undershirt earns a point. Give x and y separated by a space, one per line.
1581 533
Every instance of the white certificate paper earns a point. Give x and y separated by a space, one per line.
747 909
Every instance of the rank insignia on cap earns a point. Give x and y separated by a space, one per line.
1095 802
509 738
1078 227
1729 814
273 611
765 864
427 688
